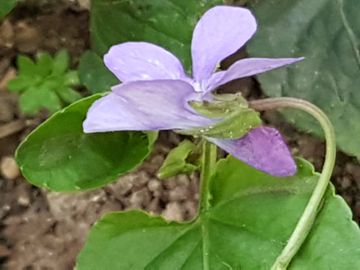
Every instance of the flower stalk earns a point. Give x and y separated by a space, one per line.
308 217
208 164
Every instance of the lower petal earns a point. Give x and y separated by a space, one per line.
264 149
145 105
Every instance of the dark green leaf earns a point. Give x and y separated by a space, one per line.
251 217
327 33
6 6
59 156
94 75
61 62
177 162
167 23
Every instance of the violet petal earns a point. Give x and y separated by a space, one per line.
145 105
264 149
247 67
134 61
220 32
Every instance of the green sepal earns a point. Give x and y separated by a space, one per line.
234 117
220 106
183 159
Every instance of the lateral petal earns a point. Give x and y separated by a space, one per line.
145 105
134 61
246 68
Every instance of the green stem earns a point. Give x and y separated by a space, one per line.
208 164
207 169
308 217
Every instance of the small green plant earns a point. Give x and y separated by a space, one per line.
45 83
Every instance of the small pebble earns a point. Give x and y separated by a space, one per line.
191 208
170 183
4 210
179 193
6 34
85 4
9 168
140 198
154 206
174 211
23 201
353 169
183 180
155 187
10 74
7 109
27 38
140 179
122 186
345 182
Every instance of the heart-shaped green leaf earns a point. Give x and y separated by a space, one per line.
58 155
250 219
327 34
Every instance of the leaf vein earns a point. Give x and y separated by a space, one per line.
350 32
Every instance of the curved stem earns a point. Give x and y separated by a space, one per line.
207 169
307 219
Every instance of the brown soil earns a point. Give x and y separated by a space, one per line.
45 230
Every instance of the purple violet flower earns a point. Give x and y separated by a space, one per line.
156 90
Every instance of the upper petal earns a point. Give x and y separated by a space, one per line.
134 61
221 31
264 149
145 105
247 67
